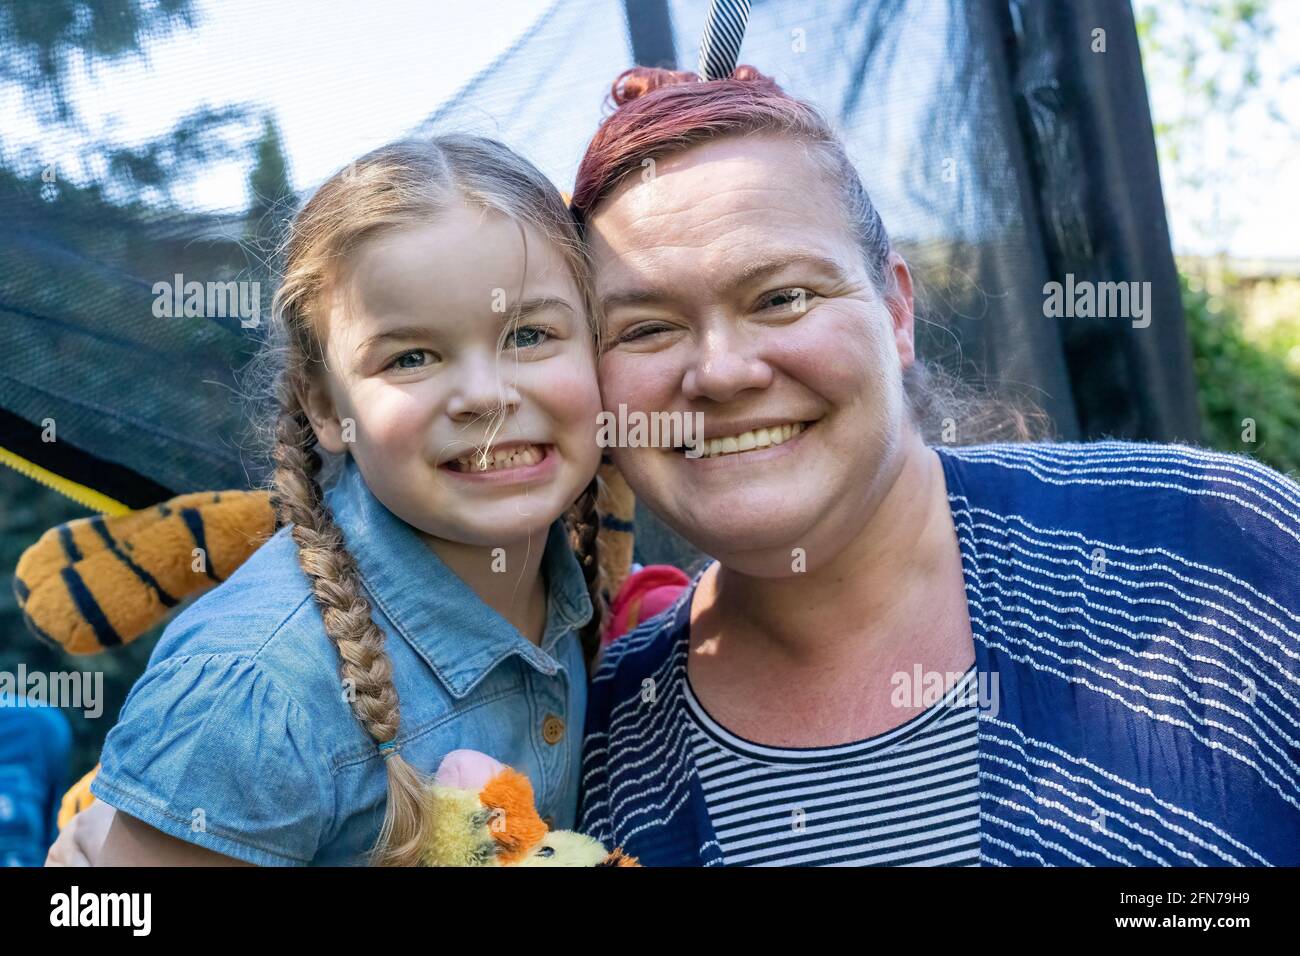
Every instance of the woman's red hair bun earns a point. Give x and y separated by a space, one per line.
656 111
640 80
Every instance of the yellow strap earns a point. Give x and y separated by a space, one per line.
77 798
87 497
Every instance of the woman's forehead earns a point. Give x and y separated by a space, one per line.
735 163
725 200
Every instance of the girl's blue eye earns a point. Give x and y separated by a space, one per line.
527 337
403 361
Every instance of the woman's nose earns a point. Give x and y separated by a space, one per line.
724 366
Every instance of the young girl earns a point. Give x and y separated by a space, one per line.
434 334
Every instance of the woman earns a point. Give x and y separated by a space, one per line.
1123 615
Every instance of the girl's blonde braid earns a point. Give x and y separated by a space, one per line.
366 668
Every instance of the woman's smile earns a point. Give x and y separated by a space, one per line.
750 446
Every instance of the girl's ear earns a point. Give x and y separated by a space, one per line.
318 405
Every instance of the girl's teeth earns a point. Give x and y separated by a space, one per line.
748 441
501 459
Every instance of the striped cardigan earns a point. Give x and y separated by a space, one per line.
1139 605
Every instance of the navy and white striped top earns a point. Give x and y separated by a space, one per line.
1139 608
906 797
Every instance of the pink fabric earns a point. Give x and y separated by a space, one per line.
644 594
467 770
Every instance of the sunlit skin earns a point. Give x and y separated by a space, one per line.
423 350
700 270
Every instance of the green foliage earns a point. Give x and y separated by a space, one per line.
41 36
205 136
1239 380
1216 55
272 198
269 181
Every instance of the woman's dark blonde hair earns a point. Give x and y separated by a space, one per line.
400 184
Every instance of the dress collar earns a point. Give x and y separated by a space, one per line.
442 618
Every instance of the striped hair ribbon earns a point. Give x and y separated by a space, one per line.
723 33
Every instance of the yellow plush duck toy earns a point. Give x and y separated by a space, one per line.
484 815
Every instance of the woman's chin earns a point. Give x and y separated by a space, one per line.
752 534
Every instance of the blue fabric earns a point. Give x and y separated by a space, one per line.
1139 606
35 744
238 737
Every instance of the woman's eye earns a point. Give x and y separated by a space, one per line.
640 332
413 359
527 337
793 299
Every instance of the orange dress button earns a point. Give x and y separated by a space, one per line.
552 729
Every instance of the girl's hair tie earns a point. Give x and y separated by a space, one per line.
388 749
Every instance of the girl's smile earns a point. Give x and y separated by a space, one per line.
511 463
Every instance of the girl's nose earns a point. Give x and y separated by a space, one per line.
481 387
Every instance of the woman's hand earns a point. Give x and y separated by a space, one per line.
81 841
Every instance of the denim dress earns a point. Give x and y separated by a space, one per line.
239 736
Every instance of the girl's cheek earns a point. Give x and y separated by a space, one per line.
568 390
392 419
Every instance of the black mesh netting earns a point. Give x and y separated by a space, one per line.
1000 155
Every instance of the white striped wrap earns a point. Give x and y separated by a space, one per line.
724 31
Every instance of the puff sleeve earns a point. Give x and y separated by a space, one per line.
210 749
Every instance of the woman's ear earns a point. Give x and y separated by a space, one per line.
318 405
898 299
